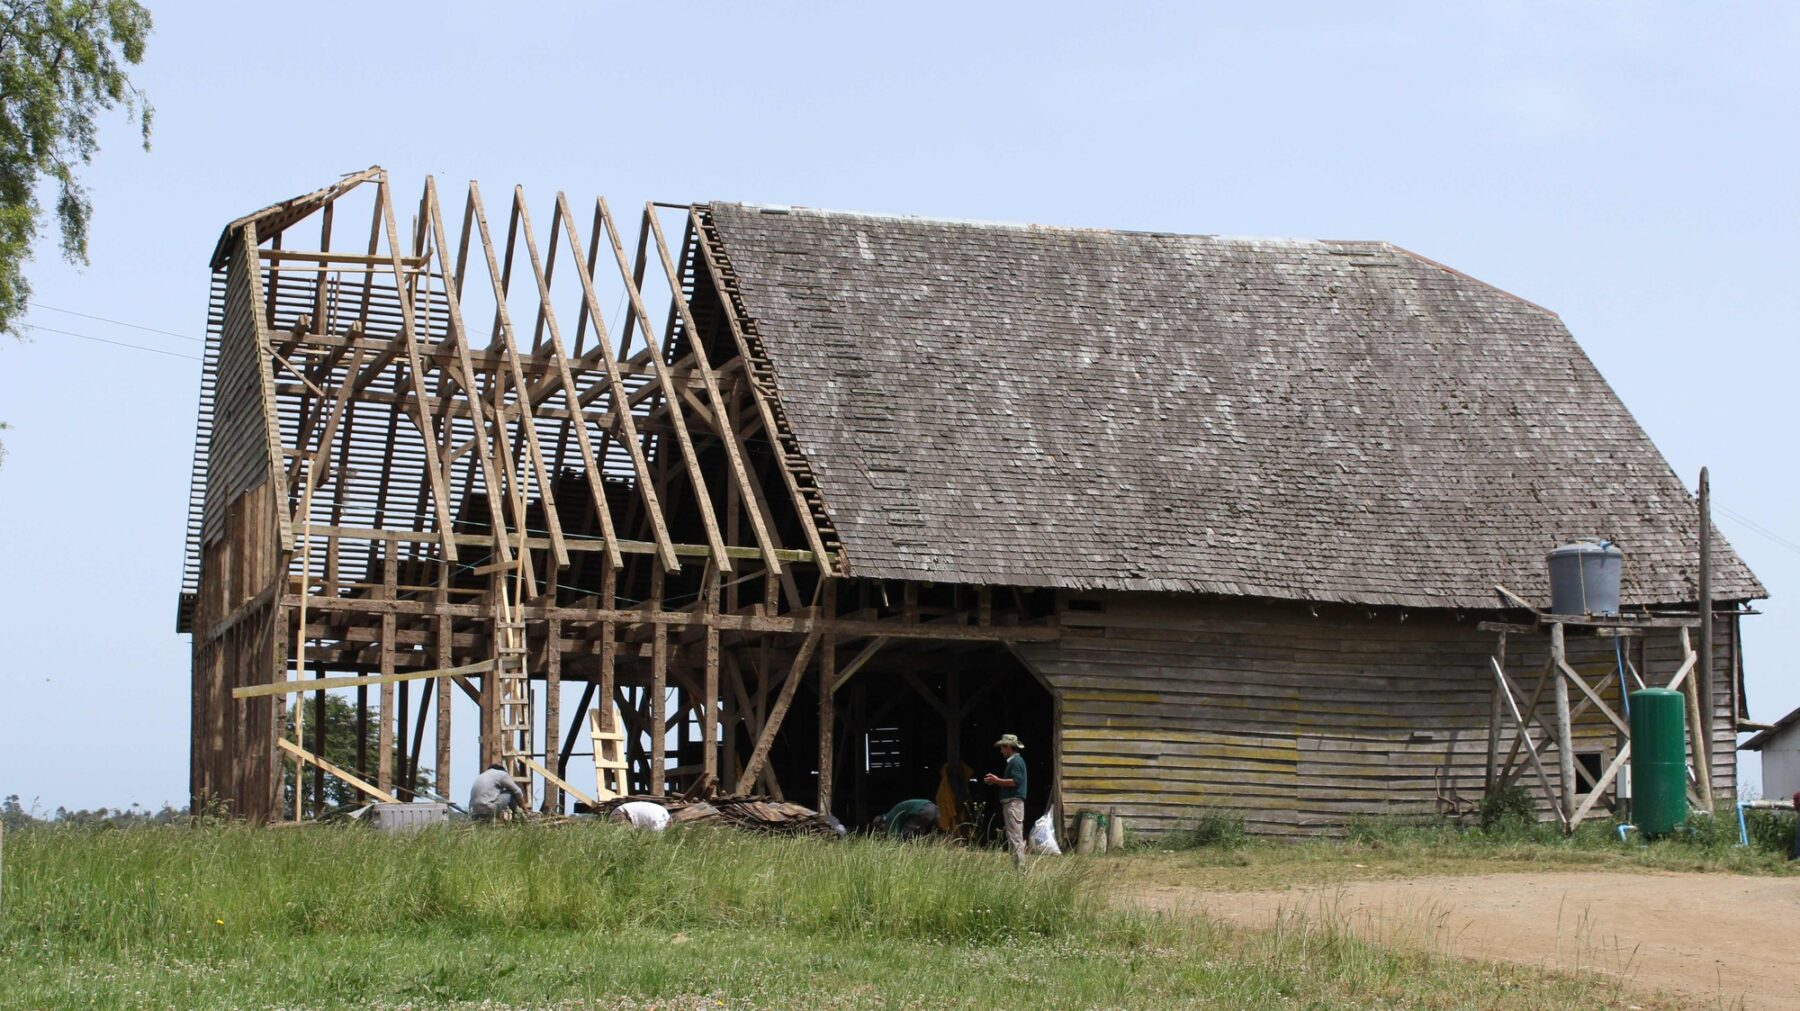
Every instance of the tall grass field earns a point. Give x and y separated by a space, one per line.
599 916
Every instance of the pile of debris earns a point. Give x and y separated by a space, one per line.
755 814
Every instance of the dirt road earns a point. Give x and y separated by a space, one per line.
1718 940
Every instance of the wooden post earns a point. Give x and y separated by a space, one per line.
552 709
1565 738
772 725
1697 729
1705 672
318 731
362 731
609 647
827 707
384 758
709 692
1494 717
442 633
659 687
403 785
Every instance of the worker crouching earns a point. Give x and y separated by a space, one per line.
495 795
909 819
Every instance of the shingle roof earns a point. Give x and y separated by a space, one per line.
1344 421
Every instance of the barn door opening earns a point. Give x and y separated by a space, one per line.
921 721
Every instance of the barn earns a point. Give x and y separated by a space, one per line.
761 499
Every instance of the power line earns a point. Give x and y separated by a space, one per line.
1758 528
103 340
119 322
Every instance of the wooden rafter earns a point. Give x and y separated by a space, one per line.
615 382
709 381
762 404
632 279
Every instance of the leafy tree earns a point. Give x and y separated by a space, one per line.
15 816
62 63
340 750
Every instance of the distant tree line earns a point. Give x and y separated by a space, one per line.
14 815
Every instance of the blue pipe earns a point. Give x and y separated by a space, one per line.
1624 689
1743 830
1624 829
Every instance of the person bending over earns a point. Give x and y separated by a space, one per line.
910 818
494 794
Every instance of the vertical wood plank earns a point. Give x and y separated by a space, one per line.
384 760
552 707
827 707
709 692
659 683
441 633
1565 743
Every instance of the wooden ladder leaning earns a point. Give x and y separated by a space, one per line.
609 758
512 683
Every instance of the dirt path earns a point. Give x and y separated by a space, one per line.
1713 938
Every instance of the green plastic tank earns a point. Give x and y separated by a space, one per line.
1658 760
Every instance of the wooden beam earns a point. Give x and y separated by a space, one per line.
1565 744
314 760
827 714
557 781
856 663
621 400
1606 778
683 440
325 683
802 510
1493 738
439 493
772 724
1530 747
1593 697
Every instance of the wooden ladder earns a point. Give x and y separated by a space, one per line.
512 684
609 758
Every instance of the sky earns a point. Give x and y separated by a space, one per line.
1633 166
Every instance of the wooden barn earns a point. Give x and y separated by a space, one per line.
817 505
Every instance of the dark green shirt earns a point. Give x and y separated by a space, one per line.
902 813
1015 771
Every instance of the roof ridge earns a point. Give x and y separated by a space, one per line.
1027 226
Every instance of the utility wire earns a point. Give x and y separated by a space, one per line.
119 322
103 340
1758 528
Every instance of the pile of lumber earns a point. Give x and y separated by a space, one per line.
754 814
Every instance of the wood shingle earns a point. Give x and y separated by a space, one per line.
1331 421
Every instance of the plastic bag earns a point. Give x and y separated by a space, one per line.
1043 833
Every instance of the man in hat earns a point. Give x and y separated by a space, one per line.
1012 794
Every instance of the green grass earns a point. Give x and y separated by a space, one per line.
596 916
1214 856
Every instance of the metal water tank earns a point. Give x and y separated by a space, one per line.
1584 577
1658 760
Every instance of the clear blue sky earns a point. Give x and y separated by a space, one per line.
1632 166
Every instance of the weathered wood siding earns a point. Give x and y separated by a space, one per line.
243 449
1300 720
238 626
239 640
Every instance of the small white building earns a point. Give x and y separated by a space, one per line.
1780 748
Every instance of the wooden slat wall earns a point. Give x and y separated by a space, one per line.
238 455
238 624
1297 720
